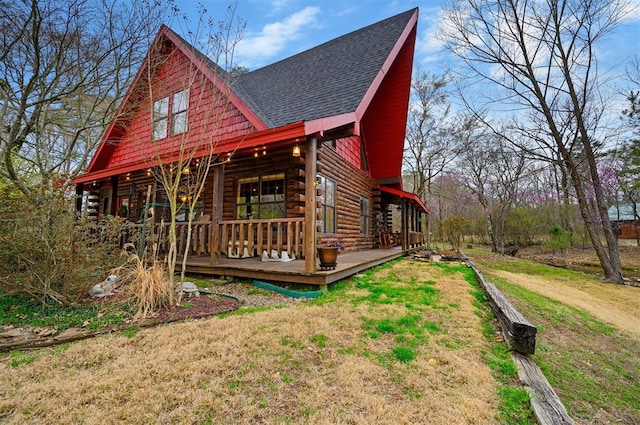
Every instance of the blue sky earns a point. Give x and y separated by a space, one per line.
276 29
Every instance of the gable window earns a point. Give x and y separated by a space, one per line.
179 105
327 215
176 111
365 215
160 118
260 197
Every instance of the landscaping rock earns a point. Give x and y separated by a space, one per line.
105 288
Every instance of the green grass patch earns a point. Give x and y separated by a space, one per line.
319 339
590 364
403 354
514 401
21 310
258 291
19 358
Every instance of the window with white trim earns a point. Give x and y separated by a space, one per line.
327 213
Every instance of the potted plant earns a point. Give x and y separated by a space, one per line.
328 253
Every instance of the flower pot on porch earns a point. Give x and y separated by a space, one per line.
328 257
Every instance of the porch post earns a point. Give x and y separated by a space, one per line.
114 195
79 193
405 225
216 213
310 211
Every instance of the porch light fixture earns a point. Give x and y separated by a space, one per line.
255 154
186 170
296 150
128 176
264 151
148 171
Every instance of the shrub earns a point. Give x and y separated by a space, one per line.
47 253
558 239
148 284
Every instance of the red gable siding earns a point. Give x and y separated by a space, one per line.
211 117
349 149
384 122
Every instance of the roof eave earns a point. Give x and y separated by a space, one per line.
321 125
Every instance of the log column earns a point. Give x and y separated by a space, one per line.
216 213
404 214
79 193
114 195
310 211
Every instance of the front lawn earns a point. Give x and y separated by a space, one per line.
406 343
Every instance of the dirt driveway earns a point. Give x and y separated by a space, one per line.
617 305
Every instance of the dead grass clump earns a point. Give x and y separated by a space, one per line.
148 284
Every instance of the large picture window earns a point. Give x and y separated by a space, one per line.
327 198
261 197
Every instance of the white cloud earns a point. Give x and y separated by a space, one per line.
631 11
428 45
256 48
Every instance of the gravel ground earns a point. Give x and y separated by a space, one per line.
252 296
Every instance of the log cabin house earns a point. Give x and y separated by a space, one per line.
307 149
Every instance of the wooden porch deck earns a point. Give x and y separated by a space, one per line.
349 263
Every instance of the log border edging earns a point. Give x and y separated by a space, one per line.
545 403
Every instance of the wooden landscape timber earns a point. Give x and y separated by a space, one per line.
520 336
545 403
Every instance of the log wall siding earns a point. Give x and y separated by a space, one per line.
278 160
351 184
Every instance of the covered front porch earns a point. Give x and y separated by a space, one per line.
349 263
271 249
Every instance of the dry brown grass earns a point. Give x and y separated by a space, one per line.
147 284
301 364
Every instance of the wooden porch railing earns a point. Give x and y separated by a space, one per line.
242 238
199 237
239 238
415 239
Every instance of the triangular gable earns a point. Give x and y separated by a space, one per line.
328 83
110 145
383 111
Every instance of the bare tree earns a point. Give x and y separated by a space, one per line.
64 68
431 142
540 58
493 171
183 170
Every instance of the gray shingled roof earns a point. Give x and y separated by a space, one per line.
327 80
622 212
